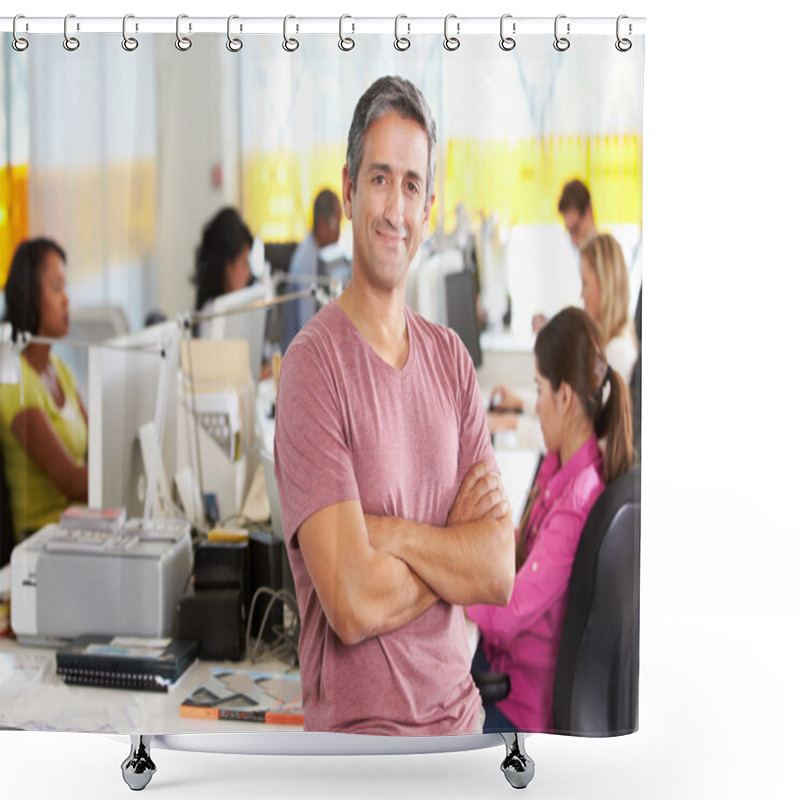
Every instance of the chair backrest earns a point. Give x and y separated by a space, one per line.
596 691
636 383
6 525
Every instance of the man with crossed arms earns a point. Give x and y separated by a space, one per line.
393 510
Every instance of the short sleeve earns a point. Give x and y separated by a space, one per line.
313 462
475 444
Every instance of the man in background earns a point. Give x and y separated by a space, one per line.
575 207
305 262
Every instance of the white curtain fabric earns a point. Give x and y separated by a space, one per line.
129 154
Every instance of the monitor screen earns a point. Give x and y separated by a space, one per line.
462 311
236 321
124 385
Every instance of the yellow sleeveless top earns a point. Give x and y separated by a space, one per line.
33 498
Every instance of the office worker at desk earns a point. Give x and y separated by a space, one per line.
44 423
392 507
222 263
582 400
327 220
605 294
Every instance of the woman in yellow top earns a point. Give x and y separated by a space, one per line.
44 430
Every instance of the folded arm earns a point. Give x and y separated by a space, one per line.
364 592
471 559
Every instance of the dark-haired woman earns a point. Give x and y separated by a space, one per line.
44 430
222 263
582 400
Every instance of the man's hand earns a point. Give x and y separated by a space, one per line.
480 496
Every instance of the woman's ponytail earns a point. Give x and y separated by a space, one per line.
614 423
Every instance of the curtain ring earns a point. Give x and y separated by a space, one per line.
623 45
20 44
233 44
289 44
451 42
70 42
561 43
506 42
345 42
183 43
401 42
128 42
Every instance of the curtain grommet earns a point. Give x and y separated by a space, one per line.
561 43
451 43
71 43
233 44
346 43
507 43
183 43
401 43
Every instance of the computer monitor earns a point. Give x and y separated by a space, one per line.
235 321
279 255
127 382
462 311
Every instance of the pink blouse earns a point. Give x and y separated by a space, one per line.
522 638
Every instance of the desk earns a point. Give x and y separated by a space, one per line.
33 697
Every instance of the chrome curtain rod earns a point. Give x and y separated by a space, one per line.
347 25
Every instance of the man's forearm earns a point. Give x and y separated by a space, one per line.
364 592
466 563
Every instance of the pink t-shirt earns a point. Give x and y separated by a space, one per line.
351 427
522 638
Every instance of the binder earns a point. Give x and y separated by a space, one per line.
125 662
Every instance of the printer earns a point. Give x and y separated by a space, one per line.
65 583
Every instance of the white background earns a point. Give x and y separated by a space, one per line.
719 698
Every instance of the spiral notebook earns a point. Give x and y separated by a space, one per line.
126 662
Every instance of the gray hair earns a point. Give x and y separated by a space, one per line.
391 93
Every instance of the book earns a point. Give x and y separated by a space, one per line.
109 520
126 662
247 696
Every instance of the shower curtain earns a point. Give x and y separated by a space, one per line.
123 154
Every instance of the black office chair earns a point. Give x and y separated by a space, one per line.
6 525
636 383
596 691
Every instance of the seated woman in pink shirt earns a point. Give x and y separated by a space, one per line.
581 401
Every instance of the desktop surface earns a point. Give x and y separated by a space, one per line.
33 697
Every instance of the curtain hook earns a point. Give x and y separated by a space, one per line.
70 42
289 44
401 42
128 42
233 44
451 42
345 42
183 43
19 44
623 45
506 42
561 43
